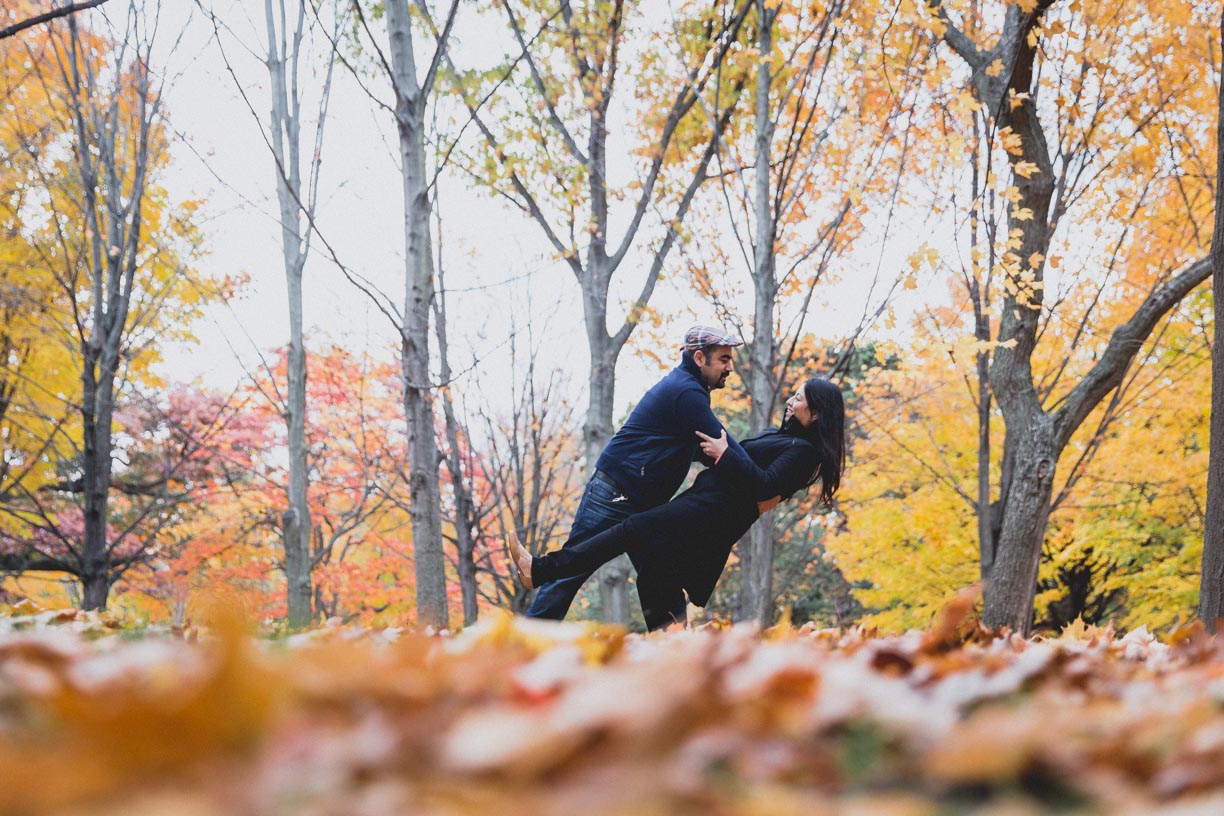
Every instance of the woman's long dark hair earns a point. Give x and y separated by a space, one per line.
827 433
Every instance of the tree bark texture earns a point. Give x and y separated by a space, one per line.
601 386
285 139
1211 589
465 512
465 506
985 514
423 490
755 599
979 293
1013 577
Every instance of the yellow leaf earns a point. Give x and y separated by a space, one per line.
924 254
1035 260
1026 169
1012 142
995 68
968 101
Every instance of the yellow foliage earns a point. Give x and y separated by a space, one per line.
911 537
46 248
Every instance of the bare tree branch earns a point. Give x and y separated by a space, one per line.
1109 370
47 16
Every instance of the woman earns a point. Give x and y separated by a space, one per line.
683 545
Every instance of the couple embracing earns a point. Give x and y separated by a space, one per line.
680 547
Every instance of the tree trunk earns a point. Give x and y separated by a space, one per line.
614 575
1013 577
296 519
1029 430
464 515
285 142
979 295
418 299
1211 589
985 517
755 598
96 411
113 247
465 511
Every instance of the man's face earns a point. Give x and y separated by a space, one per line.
715 363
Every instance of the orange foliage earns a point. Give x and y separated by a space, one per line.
522 717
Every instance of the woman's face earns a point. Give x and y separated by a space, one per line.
797 407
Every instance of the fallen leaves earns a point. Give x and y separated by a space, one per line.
515 716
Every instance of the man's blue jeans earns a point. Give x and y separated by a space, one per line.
602 506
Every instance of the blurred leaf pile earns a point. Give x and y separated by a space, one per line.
513 716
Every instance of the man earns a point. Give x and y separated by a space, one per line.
645 463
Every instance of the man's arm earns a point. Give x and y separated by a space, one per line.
694 414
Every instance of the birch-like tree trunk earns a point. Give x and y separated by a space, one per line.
410 109
465 506
755 599
1211 589
601 389
465 513
283 59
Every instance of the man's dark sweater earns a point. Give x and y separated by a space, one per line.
650 455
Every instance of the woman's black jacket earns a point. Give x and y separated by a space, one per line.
690 537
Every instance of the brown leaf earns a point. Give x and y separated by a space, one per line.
952 625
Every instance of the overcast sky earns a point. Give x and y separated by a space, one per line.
493 255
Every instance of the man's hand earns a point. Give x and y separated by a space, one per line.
764 507
712 447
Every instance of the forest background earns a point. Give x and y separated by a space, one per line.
314 302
